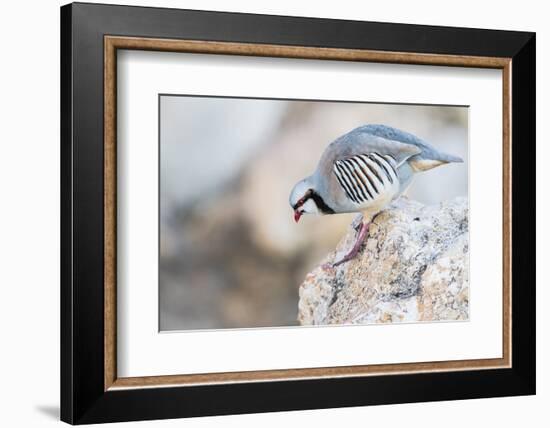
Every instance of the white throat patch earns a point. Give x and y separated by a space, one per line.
310 207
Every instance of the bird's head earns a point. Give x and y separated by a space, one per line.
302 199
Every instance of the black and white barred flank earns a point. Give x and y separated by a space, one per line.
364 177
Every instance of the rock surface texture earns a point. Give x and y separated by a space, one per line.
413 267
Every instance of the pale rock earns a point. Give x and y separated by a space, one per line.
413 267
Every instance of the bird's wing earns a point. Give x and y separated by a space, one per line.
428 158
358 143
368 143
338 168
367 177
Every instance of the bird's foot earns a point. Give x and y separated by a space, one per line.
328 267
362 234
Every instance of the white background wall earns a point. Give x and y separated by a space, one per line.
29 214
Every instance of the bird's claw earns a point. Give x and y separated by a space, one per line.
328 267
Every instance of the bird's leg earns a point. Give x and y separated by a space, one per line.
361 235
357 222
362 232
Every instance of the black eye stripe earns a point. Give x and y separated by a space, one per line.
319 202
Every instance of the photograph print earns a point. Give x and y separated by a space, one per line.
288 213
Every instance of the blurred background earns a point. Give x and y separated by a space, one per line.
231 255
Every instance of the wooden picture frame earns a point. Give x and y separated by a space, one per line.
91 390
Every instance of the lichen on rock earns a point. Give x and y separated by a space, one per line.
413 267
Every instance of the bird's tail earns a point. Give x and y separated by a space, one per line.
451 158
422 163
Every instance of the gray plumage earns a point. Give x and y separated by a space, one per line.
389 133
364 170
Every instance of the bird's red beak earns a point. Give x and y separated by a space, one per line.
297 215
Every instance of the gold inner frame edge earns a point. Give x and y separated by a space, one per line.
113 43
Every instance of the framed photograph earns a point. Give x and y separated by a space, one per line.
265 213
